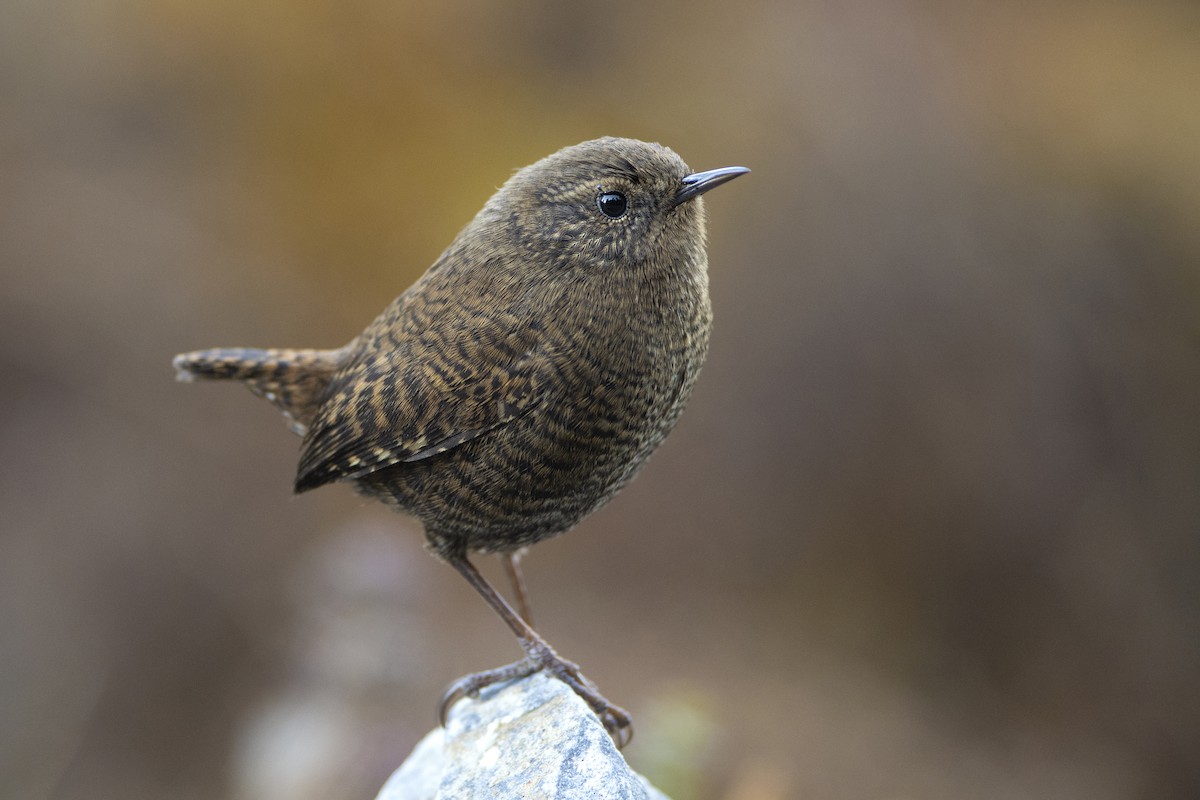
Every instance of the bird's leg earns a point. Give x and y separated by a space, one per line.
512 566
538 656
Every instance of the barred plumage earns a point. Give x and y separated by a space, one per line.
527 376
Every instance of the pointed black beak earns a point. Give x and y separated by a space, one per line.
698 183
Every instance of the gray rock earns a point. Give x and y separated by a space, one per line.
529 739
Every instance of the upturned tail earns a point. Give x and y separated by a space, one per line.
293 380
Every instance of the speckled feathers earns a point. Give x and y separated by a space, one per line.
530 372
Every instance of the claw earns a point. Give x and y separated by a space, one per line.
455 692
616 720
619 725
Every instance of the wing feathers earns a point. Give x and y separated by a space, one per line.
403 401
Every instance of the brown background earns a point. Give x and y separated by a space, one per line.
928 529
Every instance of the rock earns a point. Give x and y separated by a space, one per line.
528 739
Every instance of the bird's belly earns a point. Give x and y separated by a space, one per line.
538 476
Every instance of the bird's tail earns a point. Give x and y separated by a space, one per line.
293 380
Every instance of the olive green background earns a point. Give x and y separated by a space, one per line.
928 529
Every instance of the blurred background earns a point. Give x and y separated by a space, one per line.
930 527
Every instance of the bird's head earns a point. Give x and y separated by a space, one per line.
610 204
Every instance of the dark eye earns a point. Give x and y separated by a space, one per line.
612 204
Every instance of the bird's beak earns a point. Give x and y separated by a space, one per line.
696 184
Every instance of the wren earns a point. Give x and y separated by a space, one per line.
523 379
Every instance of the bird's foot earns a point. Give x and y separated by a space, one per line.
471 685
616 720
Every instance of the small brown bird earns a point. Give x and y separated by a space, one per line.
523 379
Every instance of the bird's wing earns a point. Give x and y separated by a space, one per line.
418 393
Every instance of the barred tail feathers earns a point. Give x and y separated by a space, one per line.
293 380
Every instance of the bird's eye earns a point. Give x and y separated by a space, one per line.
612 204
